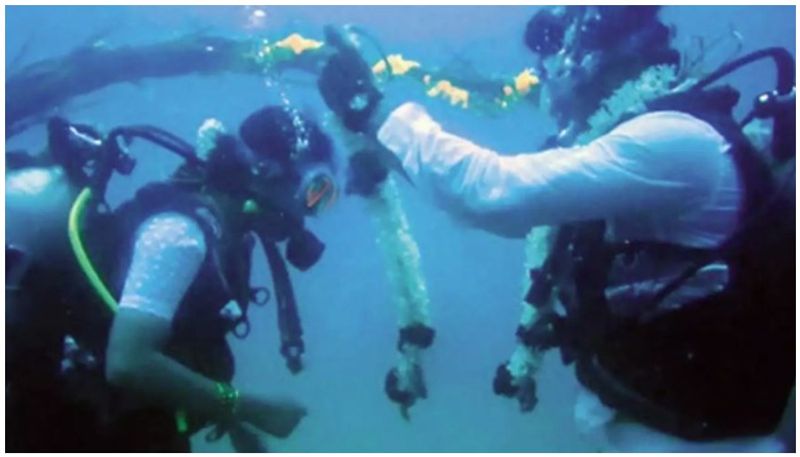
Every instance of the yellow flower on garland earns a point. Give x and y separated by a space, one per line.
456 95
397 63
524 81
298 44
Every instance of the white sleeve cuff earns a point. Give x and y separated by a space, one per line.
404 128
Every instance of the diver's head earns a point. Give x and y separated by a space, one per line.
544 33
292 160
586 52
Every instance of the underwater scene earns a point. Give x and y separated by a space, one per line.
400 229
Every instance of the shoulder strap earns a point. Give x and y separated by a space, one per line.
291 330
715 106
19 159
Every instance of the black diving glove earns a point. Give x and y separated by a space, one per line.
346 83
365 173
348 88
369 168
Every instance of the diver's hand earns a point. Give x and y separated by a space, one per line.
365 173
346 82
276 417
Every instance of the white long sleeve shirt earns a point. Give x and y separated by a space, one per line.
662 176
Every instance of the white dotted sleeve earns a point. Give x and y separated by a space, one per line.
168 252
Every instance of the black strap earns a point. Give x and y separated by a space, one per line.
19 159
698 258
157 136
292 346
580 254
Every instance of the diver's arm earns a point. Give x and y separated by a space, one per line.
168 253
629 171
135 362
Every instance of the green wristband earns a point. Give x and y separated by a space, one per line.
228 397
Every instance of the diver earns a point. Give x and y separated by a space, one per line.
86 372
669 280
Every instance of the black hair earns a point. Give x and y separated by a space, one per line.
623 41
544 33
274 132
611 25
228 166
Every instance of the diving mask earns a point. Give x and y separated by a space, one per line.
317 191
307 194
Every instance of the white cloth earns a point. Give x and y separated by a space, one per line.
662 176
167 254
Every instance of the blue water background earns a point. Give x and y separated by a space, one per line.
474 278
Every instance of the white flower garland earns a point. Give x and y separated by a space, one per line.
632 96
402 257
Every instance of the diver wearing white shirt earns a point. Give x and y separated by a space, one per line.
672 240
663 176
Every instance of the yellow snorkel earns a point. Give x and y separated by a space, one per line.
74 227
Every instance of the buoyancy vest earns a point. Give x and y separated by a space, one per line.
199 326
59 303
715 367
